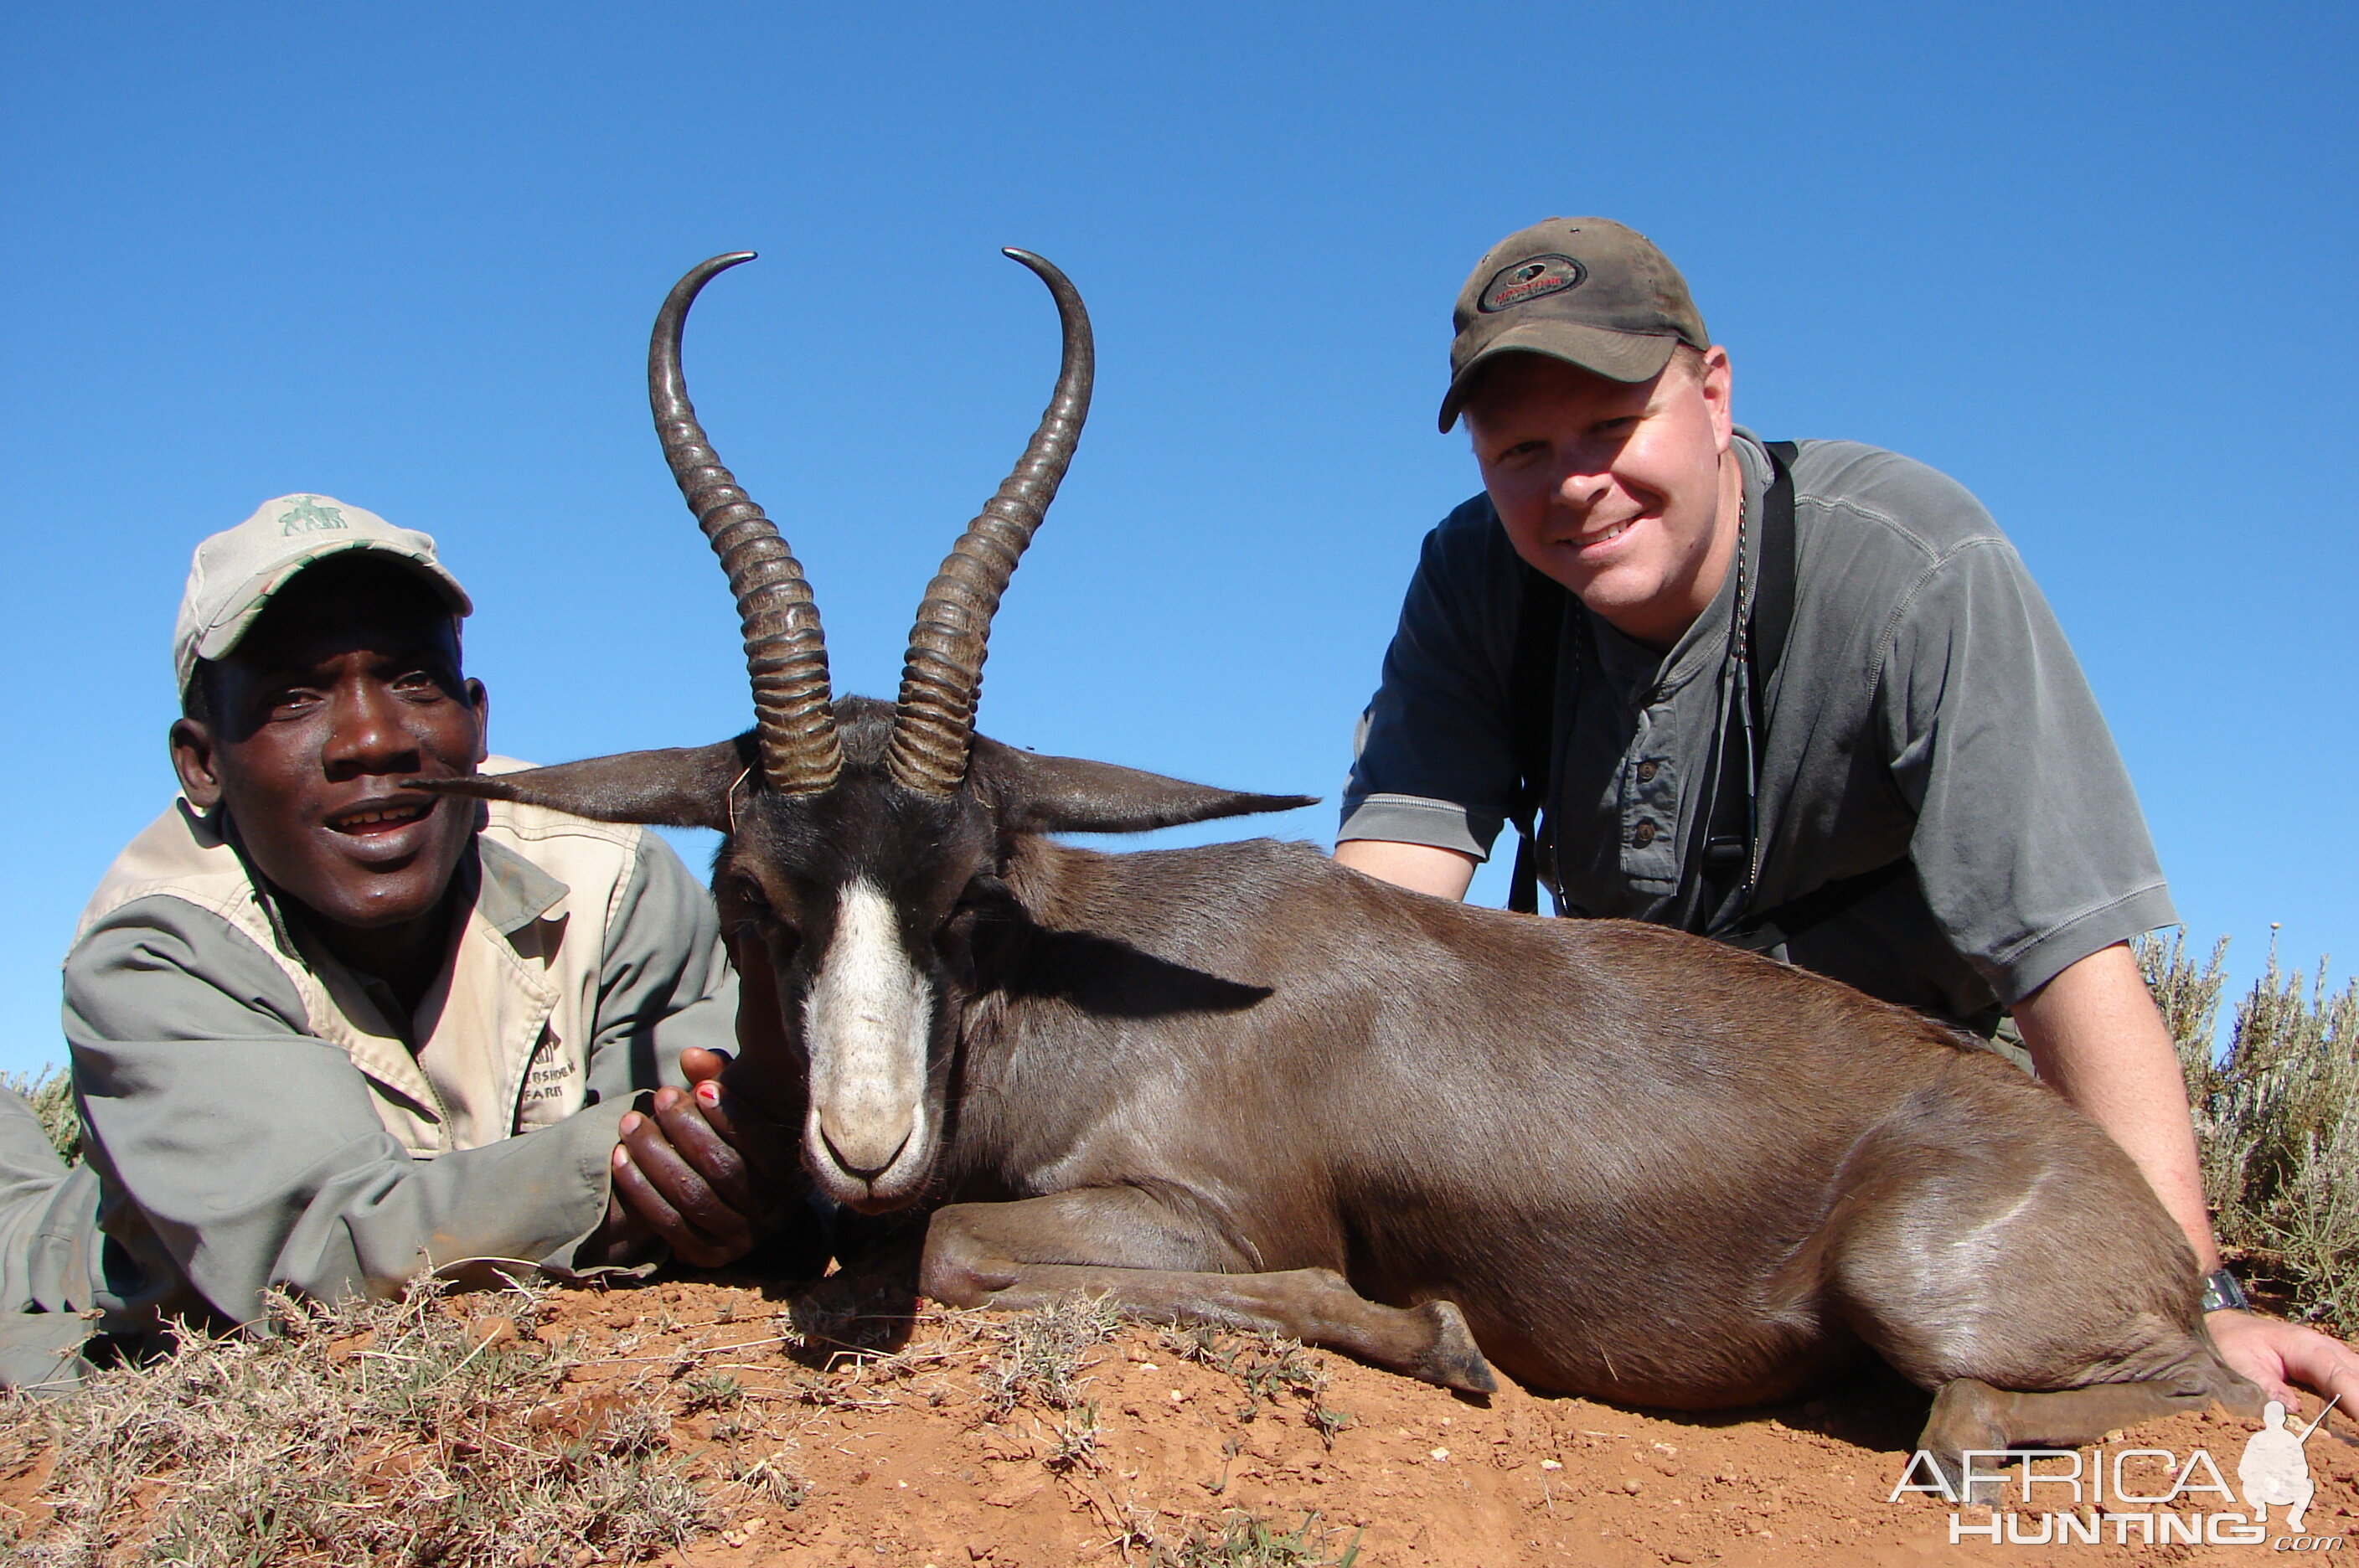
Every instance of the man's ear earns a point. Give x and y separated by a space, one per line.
685 788
192 760
480 701
1719 381
1065 794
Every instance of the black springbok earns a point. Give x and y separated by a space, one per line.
1243 1083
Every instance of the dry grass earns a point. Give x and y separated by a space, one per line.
370 1433
2277 1114
1265 1366
1243 1540
1042 1353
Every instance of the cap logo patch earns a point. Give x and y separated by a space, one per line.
1534 277
307 515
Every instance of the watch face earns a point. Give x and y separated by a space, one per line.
2222 1293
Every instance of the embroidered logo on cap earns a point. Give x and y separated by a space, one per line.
308 515
1532 278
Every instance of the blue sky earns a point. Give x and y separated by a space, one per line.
2093 260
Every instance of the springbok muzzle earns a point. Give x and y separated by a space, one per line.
867 1019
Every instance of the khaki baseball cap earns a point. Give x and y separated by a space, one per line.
236 572
1588 292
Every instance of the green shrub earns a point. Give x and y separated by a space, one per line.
2276 1117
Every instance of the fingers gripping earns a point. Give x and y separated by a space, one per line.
686 1181
655 1212
697 1129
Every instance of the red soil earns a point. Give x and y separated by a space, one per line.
905 1462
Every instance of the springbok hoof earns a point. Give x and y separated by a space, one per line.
1453 1360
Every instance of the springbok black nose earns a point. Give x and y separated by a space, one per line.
864 1173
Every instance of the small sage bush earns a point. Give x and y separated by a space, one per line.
2276 1117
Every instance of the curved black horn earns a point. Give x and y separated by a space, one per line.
942 678
785 651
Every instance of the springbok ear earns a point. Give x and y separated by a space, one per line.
1065 794
686 788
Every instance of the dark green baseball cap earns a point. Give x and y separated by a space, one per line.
1588 292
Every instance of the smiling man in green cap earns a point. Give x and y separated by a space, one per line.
329 1030
1799 697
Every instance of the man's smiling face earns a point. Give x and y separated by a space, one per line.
1623 492
348 684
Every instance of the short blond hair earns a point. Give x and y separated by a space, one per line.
1684 356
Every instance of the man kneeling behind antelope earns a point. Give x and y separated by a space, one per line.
1800 697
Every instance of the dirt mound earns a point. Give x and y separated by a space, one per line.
1067 1437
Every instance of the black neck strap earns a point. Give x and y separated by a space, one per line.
1540 615
1723 858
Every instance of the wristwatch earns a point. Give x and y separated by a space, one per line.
2222 1295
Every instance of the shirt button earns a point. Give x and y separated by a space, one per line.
1647 771
1644 834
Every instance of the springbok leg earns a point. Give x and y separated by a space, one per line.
1123 1244
2016 1263
1971 1414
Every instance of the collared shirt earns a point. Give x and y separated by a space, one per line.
259 1114
1927 707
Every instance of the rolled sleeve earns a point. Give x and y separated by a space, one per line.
1406 819
1434 763
2028 842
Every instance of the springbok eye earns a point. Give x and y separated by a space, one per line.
747 913
980 903
985 892
744 903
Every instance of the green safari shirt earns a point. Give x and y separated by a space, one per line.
258 1116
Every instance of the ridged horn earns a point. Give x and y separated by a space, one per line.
786 652
942 678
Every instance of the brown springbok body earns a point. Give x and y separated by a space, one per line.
1243 1083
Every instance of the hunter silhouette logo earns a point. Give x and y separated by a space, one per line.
2149 1497
308 515
2276 1467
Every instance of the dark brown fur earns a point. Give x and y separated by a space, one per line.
1243 1083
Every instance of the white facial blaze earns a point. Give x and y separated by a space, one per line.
867 1019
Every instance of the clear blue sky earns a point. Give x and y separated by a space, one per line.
2093 260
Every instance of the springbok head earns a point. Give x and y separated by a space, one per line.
862 844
